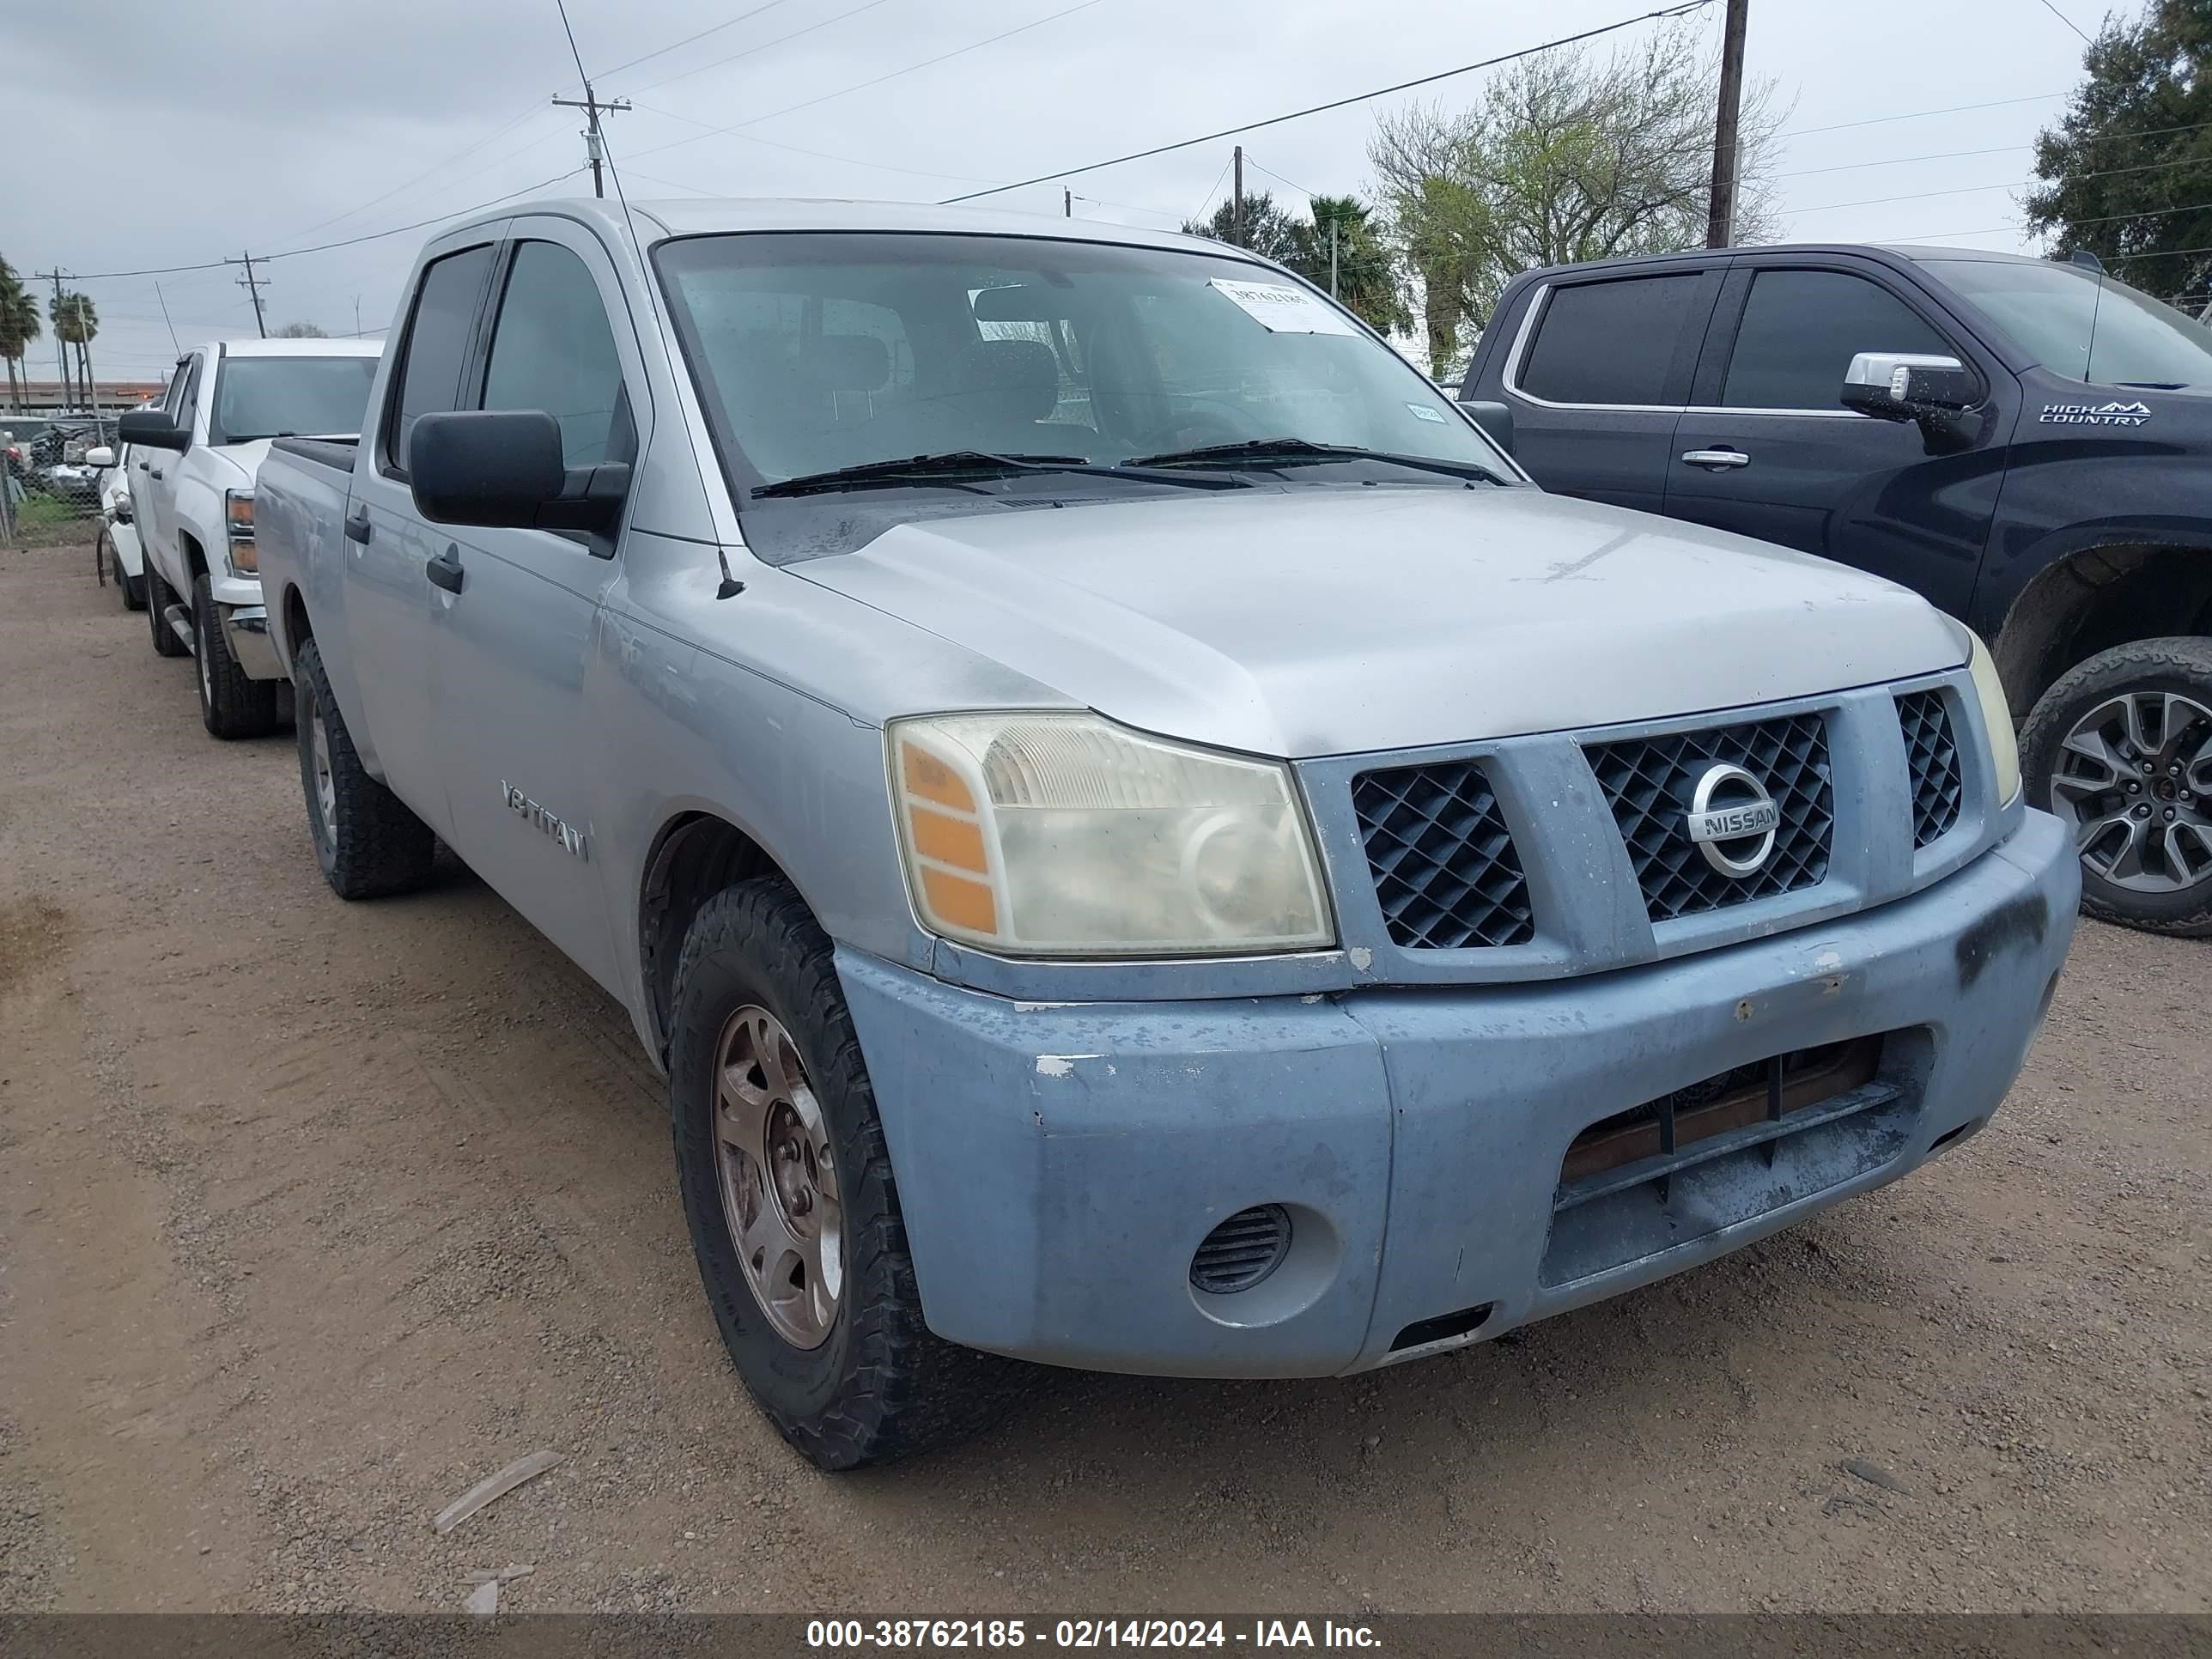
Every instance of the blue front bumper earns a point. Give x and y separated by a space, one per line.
1058 1164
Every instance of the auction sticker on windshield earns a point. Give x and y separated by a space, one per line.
1283 309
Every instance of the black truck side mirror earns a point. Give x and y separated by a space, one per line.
152 428
1495 419
1938 394
502 469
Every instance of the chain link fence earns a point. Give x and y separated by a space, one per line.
51 492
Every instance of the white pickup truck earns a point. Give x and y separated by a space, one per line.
1139 838
192 461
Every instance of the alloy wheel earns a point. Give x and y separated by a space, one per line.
2134 777
326 788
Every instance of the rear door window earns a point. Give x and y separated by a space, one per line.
1628 341
435 350
1800 329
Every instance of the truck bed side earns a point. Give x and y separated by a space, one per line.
301 497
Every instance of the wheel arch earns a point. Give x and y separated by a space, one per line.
2091 599
696 853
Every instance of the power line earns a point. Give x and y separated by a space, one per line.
1916 114
2068 22
1679 10
662 52
789 109
2019 184
797 150
1277 177
701 69
349 241
1200 217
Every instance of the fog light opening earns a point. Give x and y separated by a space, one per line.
1958 1133
1444 1328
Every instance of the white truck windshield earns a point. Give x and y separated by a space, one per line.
2084 326
289 397
818 351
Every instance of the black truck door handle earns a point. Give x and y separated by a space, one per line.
356 526
157 471
143 467
445 569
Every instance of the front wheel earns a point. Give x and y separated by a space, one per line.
787 1187
2121 750
233 704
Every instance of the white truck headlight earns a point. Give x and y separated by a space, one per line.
1996 715
1065 834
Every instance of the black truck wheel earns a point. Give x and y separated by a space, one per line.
2121 750
159 596
787 1187
368 842
232 704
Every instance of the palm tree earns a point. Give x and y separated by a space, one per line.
76 321
1366 277
18 326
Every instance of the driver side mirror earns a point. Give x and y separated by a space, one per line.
503 469
102 457
1938 394
1495 419
152 427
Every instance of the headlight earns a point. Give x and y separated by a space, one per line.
238 507
1065 834
1996 715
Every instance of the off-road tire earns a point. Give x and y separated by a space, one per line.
233 704
159 596
380 848
2182 664
881 1386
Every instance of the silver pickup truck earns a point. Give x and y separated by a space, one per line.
1138 838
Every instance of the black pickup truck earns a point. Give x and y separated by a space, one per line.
2038 462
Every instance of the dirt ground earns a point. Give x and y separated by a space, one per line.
312 1215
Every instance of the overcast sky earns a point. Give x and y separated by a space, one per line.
170 132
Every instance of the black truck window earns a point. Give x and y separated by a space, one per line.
1613 342
1800 329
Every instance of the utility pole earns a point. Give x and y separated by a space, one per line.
252 285
594 148
61 351
1237 214
1066 203
1332 258
1720 225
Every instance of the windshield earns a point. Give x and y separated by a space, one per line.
819 351
290 396
2084 326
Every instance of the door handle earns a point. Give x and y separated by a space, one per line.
143 467
444 570
1717 458
157 471
356 525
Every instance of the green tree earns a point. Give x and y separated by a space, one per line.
1566 157
2129 167
1365 271
20 325
1265 228
76 321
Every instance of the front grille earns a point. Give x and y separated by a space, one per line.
1446 872
1647 781
1243 1250
1933 756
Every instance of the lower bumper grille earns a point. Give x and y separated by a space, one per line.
1728 1149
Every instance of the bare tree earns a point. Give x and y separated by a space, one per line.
1567 157
299 331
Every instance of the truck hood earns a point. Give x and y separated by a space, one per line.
1319 621
246 457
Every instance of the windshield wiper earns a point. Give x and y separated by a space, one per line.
1304 452
975 463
